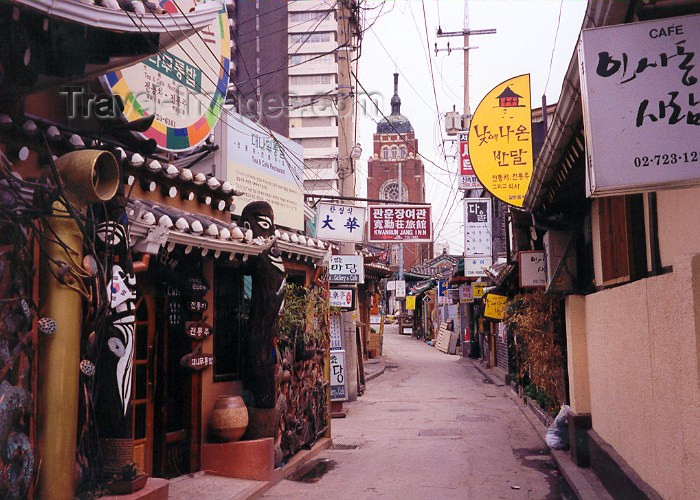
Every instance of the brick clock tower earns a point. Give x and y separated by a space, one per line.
395 142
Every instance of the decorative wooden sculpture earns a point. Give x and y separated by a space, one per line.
267 300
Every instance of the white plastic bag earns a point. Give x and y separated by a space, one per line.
557 436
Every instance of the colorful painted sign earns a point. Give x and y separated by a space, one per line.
337 222
532 269
443 297
184 87
495 306
477 228
641 105
406 223
346 269
500 140
264 166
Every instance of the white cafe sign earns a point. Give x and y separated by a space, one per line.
347 269
532 269
477 228
639 84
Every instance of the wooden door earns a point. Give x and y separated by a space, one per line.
143 378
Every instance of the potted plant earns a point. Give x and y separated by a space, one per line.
129 480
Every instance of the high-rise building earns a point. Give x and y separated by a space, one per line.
313 29
395 143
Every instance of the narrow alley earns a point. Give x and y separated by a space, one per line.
431 426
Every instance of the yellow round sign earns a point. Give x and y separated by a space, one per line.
500 140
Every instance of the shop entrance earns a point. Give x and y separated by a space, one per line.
165 393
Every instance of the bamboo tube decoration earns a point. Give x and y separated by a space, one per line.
88 176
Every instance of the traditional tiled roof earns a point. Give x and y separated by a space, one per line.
153 225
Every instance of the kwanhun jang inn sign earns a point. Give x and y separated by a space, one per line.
406 223
641 98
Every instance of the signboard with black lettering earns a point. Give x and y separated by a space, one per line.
532 269
339 381
477 228
639 85
347 269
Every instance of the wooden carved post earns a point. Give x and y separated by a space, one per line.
267 271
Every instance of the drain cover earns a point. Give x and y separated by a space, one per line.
313 471
344 446
440 432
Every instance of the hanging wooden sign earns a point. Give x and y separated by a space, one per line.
197 360
198 330
197 305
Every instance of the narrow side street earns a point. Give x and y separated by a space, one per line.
431 426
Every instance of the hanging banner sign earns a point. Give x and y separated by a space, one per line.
184 87
475 267
467 177
400 288
500 140
342 297
478 290
477 228
411 302
347 269
532 269
465 294
495 306
641 111
399 223
340 222
336 332
339 381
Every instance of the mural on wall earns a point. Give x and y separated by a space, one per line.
267 301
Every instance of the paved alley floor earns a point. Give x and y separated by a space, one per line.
431 427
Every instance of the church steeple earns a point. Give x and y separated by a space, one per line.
396 100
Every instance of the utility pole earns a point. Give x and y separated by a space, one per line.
346 172
400 244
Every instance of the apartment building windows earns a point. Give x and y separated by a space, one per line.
311 80
304 38
315 15
312 59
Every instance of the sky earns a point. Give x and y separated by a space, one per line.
396 42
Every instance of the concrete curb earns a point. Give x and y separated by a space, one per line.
583 482
374 372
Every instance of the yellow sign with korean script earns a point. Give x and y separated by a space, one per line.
495 306
411 302
500 140
478 290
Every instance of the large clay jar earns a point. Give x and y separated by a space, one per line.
229 419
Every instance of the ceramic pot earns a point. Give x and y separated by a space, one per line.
229 419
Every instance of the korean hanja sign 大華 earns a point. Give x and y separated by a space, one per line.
336 222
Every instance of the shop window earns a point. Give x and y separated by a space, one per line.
622 238
232 299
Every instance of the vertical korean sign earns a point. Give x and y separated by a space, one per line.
477 229
639 85
500 140
337 222
467 177
339 382
396 223
184 87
